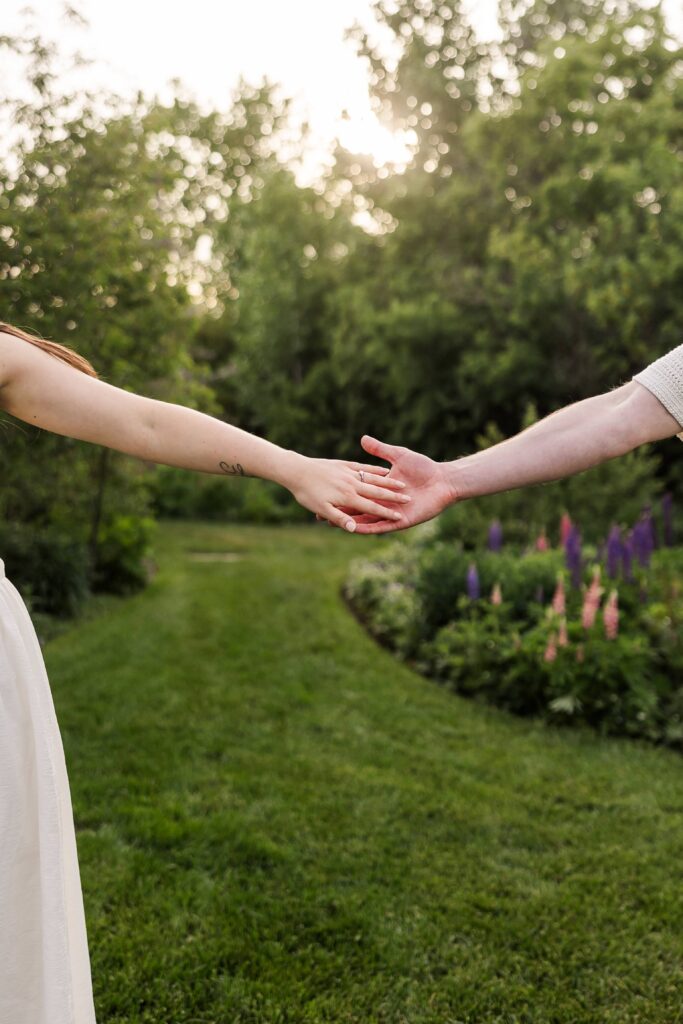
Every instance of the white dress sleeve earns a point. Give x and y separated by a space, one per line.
664 378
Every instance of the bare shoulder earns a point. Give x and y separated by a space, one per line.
12 358
20 362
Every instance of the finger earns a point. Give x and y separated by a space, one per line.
363 518
379 526
350 512
373 508
382 494
380 470
379 449
337 517
390 483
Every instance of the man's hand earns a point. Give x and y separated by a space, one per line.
425 481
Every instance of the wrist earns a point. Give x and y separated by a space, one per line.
458 482
290 468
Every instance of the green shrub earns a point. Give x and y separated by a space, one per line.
512 653
179 494
442 579
49 569
472 652
123 552
384 595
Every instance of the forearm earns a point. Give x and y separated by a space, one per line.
568 441
178 436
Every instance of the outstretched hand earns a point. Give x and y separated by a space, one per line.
339 491
426 484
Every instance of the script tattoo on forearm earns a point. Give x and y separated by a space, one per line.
232 468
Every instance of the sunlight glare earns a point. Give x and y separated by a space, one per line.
364 133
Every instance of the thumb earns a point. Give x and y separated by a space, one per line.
379 449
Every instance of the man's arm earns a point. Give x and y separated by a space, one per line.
565 442
568 441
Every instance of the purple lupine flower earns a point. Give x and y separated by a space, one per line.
627 558
639 544
667 516
473 590
650 527
495 536
637 540
614 552
572 552
643 540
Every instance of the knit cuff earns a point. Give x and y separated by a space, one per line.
664 378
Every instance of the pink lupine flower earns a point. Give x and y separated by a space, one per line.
551 650
542 542
496 595
558 604
588 613
562 638
611 616
591 601
565 528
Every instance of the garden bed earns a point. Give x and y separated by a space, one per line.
571 632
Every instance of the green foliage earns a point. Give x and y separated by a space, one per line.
416 600
124 545
181 494
103 202
613 492
542 216
384 594
50 569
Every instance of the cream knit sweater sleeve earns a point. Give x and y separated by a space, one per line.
664 378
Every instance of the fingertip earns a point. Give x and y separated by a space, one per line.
350 525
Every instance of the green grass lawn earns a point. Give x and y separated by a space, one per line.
277 822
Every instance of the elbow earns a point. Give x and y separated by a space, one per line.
639 417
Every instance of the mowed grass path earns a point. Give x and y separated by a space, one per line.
279 823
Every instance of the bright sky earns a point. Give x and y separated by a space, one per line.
208 44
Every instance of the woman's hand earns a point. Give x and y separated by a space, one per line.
426 481
337 491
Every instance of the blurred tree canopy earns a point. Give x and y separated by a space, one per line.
531 253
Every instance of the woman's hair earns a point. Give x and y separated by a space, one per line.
54 348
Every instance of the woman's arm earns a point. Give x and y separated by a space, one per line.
40 389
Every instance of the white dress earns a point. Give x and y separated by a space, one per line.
44 961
